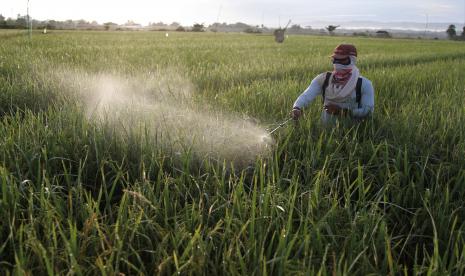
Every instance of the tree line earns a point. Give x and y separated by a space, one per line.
452 33
22 21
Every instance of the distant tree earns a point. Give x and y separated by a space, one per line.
251 30
10 23
82 24
69 24
240 25
383 34
218 27
107 26
451 32
51 25
463 33
180 29
331 29
2 21
295 28
364 34
198 27
21 21
158 24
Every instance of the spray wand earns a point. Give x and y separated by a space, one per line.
280 125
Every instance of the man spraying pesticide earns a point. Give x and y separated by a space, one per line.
346 94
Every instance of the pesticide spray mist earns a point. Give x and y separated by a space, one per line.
165 105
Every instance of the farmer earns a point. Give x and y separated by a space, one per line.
346 94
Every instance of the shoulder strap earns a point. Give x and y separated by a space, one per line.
325 85
358 90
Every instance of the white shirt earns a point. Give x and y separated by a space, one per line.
367 102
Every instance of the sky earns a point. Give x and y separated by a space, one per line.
271 13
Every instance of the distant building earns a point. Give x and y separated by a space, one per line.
131 25
384 34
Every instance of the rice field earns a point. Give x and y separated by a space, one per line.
134 153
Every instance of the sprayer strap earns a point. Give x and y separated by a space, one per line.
325 85
358 89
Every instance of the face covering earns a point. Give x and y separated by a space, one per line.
342 82
342 73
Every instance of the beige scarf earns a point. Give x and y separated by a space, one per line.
337 93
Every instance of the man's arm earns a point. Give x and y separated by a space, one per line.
313 90
367 102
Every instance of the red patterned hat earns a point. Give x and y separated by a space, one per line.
344 50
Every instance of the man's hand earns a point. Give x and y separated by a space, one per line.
336 110
296 113
332 109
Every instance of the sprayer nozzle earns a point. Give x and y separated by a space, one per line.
266 139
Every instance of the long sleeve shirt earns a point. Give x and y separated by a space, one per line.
367 102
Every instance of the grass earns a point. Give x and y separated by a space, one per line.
81 196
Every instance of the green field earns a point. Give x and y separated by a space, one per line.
136 153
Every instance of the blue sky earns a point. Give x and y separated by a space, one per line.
270 12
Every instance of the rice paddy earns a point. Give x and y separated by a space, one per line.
139 153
